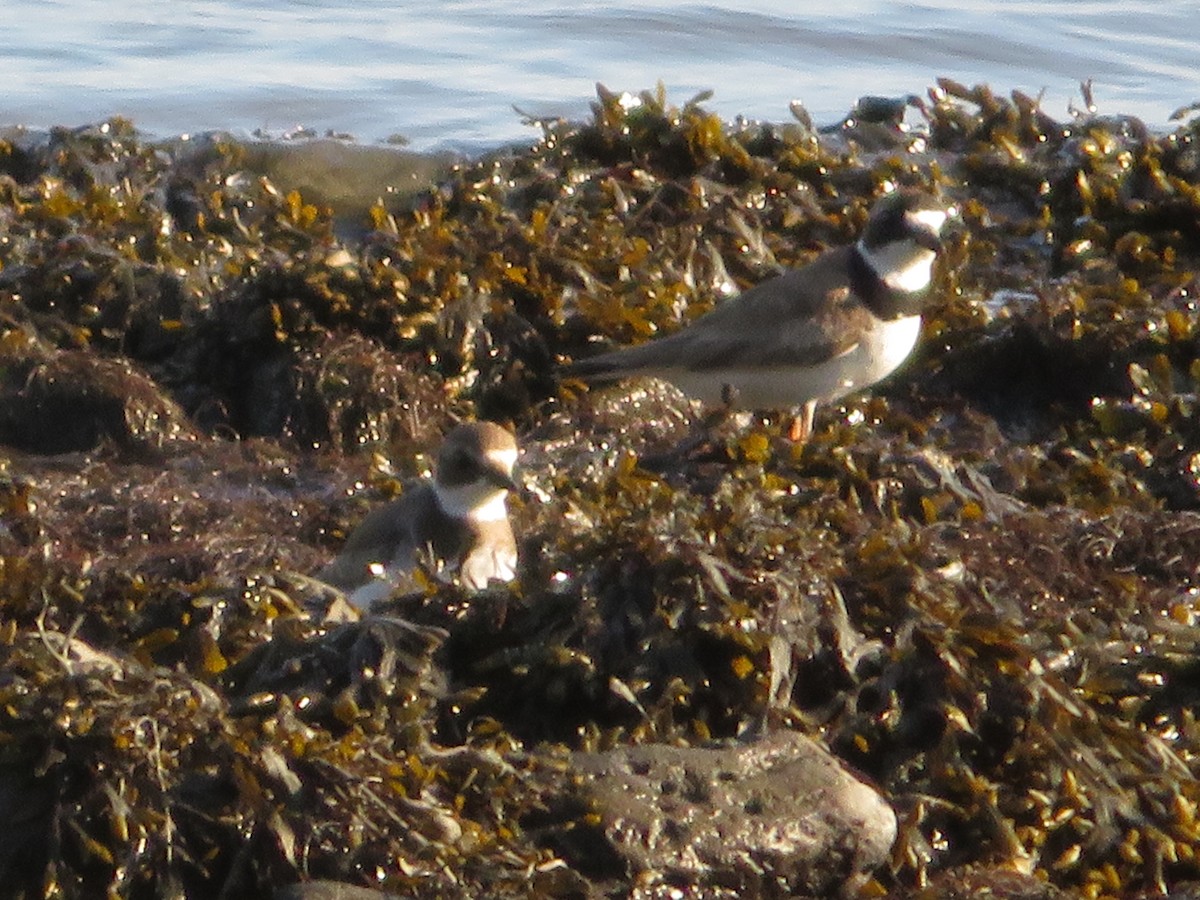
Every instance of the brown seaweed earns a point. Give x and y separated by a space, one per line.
978 585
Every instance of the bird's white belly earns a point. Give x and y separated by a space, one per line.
877 355
380 579
487 563
370 592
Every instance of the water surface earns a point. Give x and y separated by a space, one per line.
448 74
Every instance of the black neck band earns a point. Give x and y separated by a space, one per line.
882 300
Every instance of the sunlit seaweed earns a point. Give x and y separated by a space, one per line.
979 584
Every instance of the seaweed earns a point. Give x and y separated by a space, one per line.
978 584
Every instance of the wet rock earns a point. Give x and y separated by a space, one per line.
781 811
329 890
1003 884
348 177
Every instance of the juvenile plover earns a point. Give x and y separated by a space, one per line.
459 516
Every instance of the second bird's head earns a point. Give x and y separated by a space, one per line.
475 471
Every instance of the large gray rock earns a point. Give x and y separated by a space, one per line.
329 890
781 814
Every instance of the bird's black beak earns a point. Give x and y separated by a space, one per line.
502 479
924 237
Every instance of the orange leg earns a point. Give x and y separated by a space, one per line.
802 424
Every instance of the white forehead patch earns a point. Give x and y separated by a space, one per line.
505 458
933 219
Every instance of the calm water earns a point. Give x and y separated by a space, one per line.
447 74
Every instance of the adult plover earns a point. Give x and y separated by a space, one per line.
811 335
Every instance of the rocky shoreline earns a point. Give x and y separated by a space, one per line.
968 603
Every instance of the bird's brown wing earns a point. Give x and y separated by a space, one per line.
383 533
827 334
783 321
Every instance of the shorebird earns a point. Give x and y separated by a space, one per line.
459 516
810 335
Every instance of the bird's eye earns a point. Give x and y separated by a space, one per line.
465 464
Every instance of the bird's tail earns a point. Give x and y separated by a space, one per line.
596 368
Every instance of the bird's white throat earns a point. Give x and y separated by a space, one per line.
903 266
478 501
